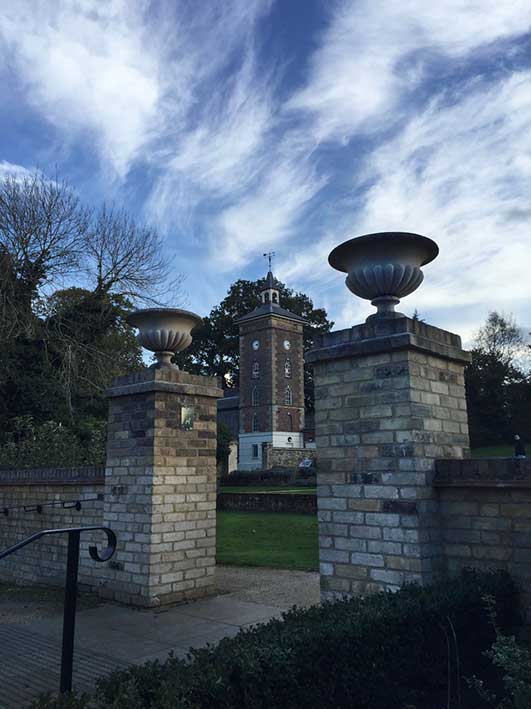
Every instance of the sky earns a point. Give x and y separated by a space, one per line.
239 127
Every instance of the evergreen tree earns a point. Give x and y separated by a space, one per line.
215 349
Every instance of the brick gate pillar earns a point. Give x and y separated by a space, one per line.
389 400
160 486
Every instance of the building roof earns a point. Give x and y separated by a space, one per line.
229 401
270 281
269 307
266 309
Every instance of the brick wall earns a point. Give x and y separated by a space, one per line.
268 502
389 400
485 515
44 561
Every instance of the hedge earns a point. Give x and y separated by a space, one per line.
383 651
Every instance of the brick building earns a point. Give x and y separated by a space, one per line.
271 401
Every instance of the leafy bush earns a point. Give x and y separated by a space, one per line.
514 661
32 445
383 651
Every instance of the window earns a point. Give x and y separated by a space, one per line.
254 397
288 398
255 423
255 371
255 450
275 297
287 369
266 297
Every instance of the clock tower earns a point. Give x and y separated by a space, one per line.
271 378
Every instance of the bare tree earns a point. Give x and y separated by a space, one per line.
41 226
127 258
500 338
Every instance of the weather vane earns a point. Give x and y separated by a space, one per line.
269 255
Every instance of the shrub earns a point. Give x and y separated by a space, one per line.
32 445
514 660
382 651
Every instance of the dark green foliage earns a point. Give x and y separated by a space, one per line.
31 445
53 409
498 385
215 349
59 349
224 439
383 651
514 661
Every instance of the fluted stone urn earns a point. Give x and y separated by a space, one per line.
384 267
164 331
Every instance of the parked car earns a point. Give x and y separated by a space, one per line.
306 466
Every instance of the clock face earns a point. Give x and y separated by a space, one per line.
287 344
256 344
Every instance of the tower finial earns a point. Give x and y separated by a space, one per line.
269 255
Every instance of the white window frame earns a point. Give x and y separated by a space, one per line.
288 396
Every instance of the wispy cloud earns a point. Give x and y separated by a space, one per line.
401 115
372 54
8 169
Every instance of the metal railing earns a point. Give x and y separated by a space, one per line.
72 566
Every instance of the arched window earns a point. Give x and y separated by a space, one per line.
266 297
275 297
256 427
255 372
288 398
287 369
254 397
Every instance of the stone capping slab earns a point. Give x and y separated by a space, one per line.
483 472
388 335
166 380
83 475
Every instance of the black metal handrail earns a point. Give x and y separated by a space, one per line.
72 566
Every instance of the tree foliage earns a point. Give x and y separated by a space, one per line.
215 349
61 346
498 384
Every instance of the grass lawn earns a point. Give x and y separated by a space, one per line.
492 452
280 541
269 488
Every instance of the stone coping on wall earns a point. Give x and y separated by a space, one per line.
483 472
387 335
89 474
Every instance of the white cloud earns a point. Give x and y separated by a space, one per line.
267 215
359 74
234 164
123 74
460 174
8 169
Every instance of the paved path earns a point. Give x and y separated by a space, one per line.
111 636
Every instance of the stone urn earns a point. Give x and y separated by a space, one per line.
384 267
164 331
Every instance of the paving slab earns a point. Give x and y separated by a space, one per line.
110 636
30 664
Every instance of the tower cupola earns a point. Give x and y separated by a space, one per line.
270 292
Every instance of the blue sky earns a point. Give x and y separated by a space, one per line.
243 126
